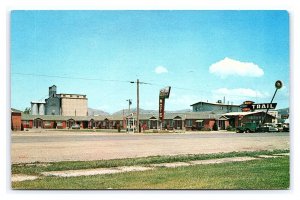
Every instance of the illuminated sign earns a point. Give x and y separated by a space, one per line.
165 92
263 106
161 108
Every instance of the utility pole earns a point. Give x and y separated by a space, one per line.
137 105
129 103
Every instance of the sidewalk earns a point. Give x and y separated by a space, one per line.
124 169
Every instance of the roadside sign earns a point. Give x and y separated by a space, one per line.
161 108
165 92
260 106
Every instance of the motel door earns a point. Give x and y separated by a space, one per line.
221 124
70 123
153 124
177 122
38 123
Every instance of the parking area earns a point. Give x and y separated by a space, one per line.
54 146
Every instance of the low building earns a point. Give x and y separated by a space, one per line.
202 106
16 124
172 121
237 118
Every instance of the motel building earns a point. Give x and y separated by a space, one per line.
203 117
70 111
189 121
173 121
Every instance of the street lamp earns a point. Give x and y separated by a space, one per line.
278 85
129 103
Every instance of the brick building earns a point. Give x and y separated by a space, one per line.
16 120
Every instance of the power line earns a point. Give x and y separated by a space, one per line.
69 77
124 81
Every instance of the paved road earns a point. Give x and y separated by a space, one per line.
61 146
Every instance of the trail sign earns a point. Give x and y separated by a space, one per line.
263 106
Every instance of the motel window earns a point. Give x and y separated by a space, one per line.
47 123
189 122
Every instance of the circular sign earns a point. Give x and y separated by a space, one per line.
278 84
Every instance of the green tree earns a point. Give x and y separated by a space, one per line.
27 110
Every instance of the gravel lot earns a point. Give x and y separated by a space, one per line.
54 146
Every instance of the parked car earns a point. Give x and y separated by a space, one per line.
286 127
76 126
268 127
279 126
248 127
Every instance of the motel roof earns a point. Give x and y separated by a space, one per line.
218 104
245 113
15 110
168 116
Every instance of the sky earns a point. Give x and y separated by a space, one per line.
202 55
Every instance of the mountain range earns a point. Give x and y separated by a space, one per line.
93 112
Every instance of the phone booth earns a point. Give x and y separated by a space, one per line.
130 123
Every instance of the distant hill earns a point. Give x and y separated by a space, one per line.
93 112
143 111
283 111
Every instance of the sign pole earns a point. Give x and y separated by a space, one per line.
278 85
137 105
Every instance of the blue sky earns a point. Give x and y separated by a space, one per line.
202 55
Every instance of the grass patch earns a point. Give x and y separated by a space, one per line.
36 168
271 173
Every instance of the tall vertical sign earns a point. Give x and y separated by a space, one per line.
163 94
161 108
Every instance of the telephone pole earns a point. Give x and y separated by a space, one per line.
137 105
138 102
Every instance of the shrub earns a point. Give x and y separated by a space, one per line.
205 129
215 127
230 128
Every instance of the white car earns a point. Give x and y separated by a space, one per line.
269 127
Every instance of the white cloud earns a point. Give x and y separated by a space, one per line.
227 67
183 101
239 94
160 70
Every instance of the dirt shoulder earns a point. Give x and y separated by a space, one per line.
69 146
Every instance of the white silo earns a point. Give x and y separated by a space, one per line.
34 108
42 109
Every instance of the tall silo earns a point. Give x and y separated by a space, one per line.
41 108
34 108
